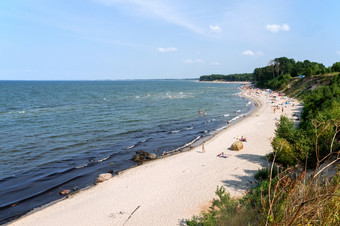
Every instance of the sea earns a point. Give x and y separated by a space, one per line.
57 135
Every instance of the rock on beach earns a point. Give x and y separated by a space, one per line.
103 177
237 145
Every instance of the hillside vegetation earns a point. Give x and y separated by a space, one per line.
292 191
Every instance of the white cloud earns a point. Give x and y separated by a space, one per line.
215 63
277 27
169 49
191 61
215 29
248 53
251 53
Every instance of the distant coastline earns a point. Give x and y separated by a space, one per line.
228 82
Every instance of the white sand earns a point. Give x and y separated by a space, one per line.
171 189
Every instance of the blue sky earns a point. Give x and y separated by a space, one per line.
147 39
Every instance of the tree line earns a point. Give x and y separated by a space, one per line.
229 78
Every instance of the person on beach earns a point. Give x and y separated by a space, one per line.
243 139
222 155
203 149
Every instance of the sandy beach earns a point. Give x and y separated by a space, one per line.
169 190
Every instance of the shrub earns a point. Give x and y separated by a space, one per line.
224 211
284 152
285 129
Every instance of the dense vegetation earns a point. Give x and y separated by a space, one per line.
285 193
279 198
230 78
320 123
278 73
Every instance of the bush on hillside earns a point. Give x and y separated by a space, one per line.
285 129
283 152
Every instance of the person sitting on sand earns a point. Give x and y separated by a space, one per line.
222 155
243 139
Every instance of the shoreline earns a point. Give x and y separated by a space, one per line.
187 146
191 177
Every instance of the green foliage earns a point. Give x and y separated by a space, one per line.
324 99
263 174
224 211
279 82
289 197
272 77
320 115
285 128
336 67
277 200
285 153
231 77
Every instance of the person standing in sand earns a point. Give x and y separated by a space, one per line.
203 149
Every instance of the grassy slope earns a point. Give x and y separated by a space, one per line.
299 86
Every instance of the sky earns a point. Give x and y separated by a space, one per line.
161 39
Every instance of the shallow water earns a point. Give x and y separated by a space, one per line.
61 134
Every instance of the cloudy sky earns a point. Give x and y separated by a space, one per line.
146 39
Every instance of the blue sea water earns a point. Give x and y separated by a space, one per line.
57 135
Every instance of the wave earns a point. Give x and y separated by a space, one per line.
81 166
184 146
176 131
233 119
103 159
222 128
132 146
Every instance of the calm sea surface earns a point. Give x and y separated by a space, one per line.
61 135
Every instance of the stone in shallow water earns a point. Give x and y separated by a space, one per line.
65 192
103 177
151 156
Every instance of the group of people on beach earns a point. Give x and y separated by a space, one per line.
243 139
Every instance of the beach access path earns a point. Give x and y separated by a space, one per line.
169 190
